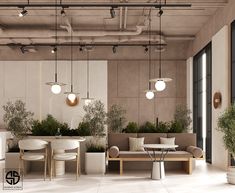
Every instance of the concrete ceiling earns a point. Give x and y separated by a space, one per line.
177 23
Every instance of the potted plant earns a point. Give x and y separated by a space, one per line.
95 158
95 118
226 124
18 121
116 119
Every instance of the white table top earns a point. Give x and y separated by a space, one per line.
51 138
159 146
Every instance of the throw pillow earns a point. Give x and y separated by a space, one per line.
136 144
170 141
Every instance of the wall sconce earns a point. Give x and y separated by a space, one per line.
217 100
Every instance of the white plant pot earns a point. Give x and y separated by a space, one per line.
231 175
95 163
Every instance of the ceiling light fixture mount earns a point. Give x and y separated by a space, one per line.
23 13
62 12
112 12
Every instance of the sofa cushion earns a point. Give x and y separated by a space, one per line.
121 140
183 140
170 141
113 152
152 138
136 144
195 151
144 154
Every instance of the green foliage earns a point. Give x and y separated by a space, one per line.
49 126
182 118
92 147
17 118
132 127
226 123
96 117
83 129
116 118
148 127
162 127
176 127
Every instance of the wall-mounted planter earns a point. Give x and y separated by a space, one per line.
95 162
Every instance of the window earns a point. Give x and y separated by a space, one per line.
202 99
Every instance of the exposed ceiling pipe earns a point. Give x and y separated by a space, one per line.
85 40
120 18
125 18
47 33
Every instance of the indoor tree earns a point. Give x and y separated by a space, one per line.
226 124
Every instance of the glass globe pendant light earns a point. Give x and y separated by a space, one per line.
55 86
88 100
72 98
160 83
149 93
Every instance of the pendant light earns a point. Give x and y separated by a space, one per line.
72 98
55 86
149 93
160 83
88 100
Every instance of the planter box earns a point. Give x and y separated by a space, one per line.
95 163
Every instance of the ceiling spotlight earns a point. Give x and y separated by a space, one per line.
23 13
146 49
112 12
115 49
62 12
54 50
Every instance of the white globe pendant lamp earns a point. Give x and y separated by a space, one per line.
87 99
160 83
55 86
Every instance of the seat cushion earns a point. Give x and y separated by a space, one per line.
64 156
144 154
33 156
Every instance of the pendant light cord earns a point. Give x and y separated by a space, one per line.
150 50
88 74
160 52
56 40
71 49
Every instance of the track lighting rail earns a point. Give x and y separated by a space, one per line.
112 5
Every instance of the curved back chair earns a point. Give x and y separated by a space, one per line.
58 153
32 145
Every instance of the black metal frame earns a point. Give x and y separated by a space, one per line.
196 121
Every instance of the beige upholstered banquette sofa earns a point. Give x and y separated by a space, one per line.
118 148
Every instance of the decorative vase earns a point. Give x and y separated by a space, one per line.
231 175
